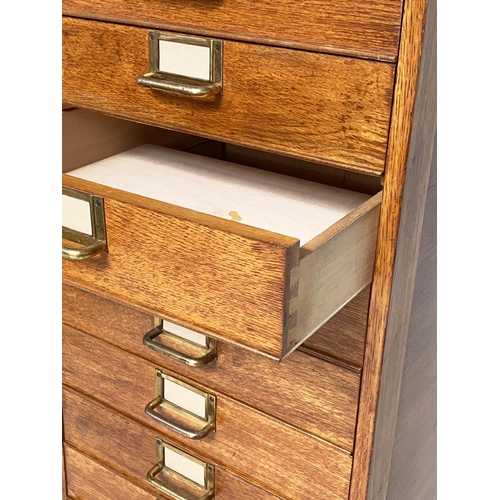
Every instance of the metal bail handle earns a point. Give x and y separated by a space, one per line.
168 79
202 433
149 341
205 420
92 246
172 492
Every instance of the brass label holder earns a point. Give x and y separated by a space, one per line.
208 355
200 426
91 244
162 448
158 79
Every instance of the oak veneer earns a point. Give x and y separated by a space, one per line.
411 146
340 117
129 447
89 479
130 386
391 460
64 480
317 396
227 280
365 29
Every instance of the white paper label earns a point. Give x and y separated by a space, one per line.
184 59
76 214
184 398
185 467
184 333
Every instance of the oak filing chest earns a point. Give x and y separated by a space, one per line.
249 250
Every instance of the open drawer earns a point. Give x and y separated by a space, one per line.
233 252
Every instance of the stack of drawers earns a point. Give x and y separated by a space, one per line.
281 430
137 384
172 334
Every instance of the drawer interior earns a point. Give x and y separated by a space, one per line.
166 166
336 227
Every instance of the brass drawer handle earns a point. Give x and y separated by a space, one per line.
151 476
207 401
149 341
91 246
162 76
84 224
152 81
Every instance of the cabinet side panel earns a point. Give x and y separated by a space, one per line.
63 463
410 151
414 463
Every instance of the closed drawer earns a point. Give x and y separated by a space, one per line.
89 479
325 108
366 29
309 393
281 459
315 395
241 283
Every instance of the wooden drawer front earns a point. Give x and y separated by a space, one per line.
205 278
89 479
275 456
320 107
367 29
310 393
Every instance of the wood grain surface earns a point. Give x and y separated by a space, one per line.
408 164
330 109
342 338
414 453
305 391
291 462
127 383
334 268
88 137
89 479
366 29
206 273
64 480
